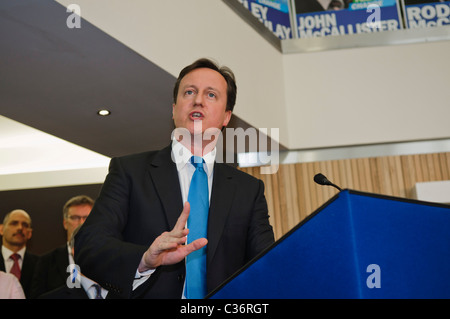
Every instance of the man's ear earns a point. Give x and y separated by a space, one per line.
227 118
30 233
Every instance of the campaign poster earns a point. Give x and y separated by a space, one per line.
320 18
274 14
423 13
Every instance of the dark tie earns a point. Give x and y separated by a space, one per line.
15 270
198 199
98 291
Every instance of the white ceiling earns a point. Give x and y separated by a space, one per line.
28 151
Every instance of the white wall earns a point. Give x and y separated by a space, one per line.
368 95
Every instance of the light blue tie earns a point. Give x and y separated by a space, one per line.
198 199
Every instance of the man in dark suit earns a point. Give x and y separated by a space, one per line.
16 231
87 289
134 241
51 270
76 286
64 292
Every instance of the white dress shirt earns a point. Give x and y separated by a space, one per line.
8 261
88 286
182 158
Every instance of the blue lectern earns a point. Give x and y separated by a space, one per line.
357 245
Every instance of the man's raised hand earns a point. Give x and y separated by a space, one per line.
169 248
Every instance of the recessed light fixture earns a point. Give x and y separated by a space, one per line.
104 112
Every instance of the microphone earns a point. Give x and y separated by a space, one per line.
322 180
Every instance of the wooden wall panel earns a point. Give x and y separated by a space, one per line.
292 193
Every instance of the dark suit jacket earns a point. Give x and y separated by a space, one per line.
28 266
141 199
64 292
51 271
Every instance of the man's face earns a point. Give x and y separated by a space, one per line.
76 216
17 230
201 101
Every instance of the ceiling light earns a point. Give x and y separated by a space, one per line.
103 112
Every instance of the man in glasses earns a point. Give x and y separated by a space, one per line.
51 271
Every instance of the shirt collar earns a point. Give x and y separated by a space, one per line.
7 252
87 283
181 155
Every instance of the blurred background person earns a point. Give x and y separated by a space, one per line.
16 231
10 287
51 270
85 288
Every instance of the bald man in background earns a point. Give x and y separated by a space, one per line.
16 231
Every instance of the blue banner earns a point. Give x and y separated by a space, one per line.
274 14
359 16
423 14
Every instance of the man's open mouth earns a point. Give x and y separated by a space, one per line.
196 116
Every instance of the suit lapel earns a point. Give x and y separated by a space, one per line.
27 268
164 175
221 199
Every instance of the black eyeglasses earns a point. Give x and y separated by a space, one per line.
76 218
